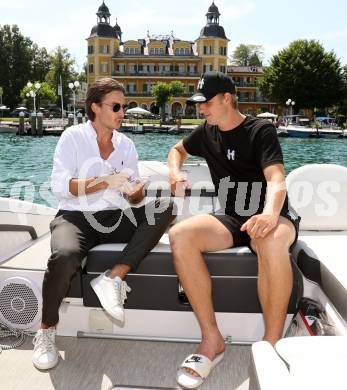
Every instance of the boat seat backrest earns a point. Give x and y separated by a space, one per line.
198 176
318 192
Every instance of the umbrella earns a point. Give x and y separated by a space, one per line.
138 111
267 115
3 108
21 108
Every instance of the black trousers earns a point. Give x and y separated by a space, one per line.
75 232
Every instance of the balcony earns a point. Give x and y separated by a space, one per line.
243 84
144 94
155 74
252 100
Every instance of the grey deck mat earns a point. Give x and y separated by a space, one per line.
91 364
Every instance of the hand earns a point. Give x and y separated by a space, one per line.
178 184
114 181
260 225
134 191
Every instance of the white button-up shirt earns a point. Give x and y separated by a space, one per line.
77 155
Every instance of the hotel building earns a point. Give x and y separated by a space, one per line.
141 63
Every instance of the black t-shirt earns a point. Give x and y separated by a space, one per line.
236 159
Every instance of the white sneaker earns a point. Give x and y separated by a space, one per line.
46 355
111 293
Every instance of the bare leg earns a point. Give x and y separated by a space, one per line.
189 240
275 279
120 270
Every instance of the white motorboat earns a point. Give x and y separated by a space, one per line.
309 132
8 127
98 353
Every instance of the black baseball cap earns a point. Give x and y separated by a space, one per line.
210 85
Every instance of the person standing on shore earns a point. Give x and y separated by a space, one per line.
246 165
95 168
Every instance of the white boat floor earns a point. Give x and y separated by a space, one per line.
91 364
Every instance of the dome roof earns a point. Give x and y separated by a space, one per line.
117 28
104 30
213 8
103 8
213 30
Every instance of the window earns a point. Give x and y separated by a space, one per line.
104 49
91 68
191 88
131 88
90 49
132 50
222 68
182 51
207 50
223 51
156 51
192 69
207 68
104 67
164 68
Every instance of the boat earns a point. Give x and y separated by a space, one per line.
298 131
138 129
160 328
8 127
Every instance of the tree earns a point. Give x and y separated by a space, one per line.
40 64
248 55
61 66
305 73
45 92
1 93
341 107
82 76
15 63
163 92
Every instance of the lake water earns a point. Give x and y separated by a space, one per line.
26 162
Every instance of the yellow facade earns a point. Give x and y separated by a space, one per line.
139 64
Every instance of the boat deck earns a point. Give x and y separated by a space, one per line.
91 364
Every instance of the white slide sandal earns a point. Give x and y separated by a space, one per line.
201 364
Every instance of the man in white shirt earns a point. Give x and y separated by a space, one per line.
95 176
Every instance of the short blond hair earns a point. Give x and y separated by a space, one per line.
234 101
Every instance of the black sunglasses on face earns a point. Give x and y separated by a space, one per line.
116 106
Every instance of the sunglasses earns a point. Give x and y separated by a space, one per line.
116 106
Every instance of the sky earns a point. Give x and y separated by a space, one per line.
270 23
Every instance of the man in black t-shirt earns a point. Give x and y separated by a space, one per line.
246 165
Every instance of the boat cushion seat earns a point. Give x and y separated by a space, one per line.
155 285
159 260
321 258
318 193
299 363
315 362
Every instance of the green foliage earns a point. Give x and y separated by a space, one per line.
305 73
15 63
44 93
61 66
22 60
341 107
40 64
82 76
248 55
163 92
